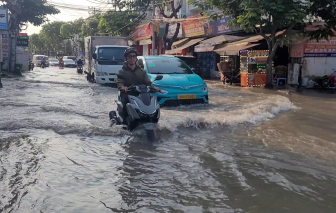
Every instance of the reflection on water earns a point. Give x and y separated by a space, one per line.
246 151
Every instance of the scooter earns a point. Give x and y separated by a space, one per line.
142 109
31 65
61 66
43 65
80 69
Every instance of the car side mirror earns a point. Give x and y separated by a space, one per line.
158 78
94 56
120 76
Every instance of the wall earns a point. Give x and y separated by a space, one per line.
319 66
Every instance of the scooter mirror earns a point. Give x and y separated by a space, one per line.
158 78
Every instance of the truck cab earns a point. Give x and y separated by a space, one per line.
107 60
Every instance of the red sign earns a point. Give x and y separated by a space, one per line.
142 32
23 34
195 27
322 46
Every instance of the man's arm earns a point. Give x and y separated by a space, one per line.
147 81
120 82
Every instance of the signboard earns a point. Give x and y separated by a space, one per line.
196 27
322 48
201 27
3 18
22 42
142 32
5 45
220 26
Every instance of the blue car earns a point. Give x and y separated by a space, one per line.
181 84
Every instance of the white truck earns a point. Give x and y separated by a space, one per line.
104 57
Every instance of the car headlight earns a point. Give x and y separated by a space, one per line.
162 91
205 89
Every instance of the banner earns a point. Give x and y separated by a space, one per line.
142 32
322 48
196 27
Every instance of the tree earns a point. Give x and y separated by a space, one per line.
117 23
72 28
35 42
33 11
90 27
263 17
169 42
51 35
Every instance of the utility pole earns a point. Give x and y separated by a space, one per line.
153 30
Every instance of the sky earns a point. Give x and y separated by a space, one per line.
69 12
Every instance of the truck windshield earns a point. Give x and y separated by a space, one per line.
111 55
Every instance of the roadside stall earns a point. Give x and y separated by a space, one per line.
253 67
235 55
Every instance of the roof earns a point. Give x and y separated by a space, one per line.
180 42
234 49
220 39
188 44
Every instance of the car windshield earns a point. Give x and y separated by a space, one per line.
53 60
111 55
40 57
165 65
69 61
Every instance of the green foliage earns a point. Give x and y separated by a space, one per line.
117 23
33 11
90 26
50 35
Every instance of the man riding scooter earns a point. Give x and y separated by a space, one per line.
43 62
79 66
132 75
60 62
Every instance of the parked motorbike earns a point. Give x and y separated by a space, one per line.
327 81
80 69
231 77
143 109
31 65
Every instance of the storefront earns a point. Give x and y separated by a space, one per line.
250 64
316 57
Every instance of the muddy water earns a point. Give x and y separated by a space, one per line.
247 151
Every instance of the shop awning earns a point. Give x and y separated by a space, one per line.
209 44
178 43
234 49
188 44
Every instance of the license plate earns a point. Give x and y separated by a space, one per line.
186 97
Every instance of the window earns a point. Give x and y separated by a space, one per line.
167 66
111 55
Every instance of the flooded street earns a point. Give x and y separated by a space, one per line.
249 150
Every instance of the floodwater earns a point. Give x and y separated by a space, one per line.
249 150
